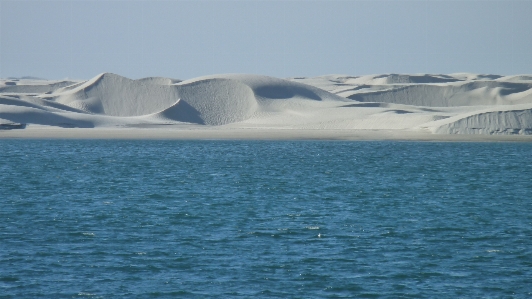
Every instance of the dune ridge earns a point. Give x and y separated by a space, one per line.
460 103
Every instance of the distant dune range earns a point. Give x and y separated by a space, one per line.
441 104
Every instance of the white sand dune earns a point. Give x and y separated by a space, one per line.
215 101
113 95
459 103
428 90
25 86
515 78
505 120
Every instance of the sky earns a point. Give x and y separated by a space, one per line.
56 39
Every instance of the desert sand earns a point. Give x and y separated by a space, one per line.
454 107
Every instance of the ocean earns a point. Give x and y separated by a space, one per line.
265 219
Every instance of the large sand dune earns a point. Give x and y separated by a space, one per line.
459 103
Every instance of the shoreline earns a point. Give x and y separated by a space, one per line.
216 133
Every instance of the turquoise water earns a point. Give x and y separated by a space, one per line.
242 219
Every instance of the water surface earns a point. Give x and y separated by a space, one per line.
241 219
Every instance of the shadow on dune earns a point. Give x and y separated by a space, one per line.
182 111
399 111
41 117
403 78
282 92
366 105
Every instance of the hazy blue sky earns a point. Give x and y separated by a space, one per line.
185 39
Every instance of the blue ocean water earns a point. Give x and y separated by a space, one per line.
243 219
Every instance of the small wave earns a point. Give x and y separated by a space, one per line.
9 278
313 227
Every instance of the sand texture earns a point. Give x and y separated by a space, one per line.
388 106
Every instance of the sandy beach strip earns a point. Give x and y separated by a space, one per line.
217 133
